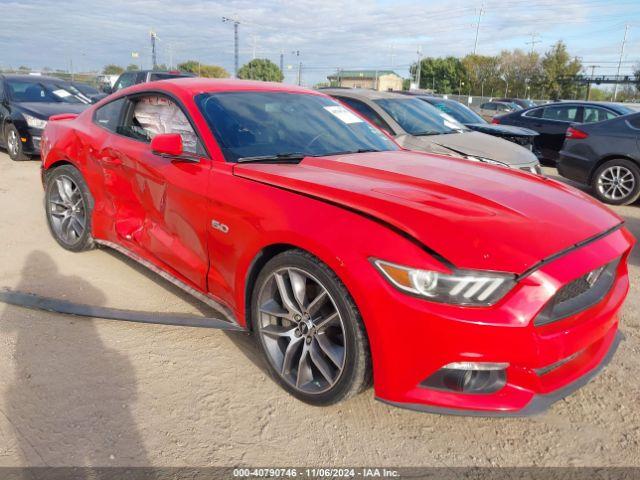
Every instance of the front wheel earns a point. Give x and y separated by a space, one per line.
14 144
617 182
69 204
310 330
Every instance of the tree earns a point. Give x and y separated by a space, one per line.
557 63
132 67
261 69
444 75
636 74
202 70
112 69
482 74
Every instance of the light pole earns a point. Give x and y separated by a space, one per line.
297 54
235 42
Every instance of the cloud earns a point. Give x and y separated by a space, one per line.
329 34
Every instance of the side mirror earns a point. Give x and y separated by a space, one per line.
167 144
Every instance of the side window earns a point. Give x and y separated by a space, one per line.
367 112
108 116
597 114
151 115
535 113
490 106
125 80
560 113
502 107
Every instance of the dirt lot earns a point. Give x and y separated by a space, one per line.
82 392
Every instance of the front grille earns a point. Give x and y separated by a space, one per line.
573 289
579 294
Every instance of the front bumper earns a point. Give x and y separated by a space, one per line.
31 141
546 362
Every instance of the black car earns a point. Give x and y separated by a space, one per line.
552 120
134 77
523 102
89 91
470 119
26 103
605 155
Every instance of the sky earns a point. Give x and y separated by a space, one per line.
329 34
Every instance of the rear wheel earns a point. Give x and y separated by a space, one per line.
617 182
310 330
69 204
14 144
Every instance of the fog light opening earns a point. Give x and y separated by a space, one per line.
469 377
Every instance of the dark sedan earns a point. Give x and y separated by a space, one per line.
552 120
470 119
605 155
26 103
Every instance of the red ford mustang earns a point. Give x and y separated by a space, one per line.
458 287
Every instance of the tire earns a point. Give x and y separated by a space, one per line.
337 357
13 144
68 207
627 188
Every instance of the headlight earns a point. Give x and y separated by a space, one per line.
34 122
460 288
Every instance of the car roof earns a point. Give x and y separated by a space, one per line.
33 78
196 85
363 93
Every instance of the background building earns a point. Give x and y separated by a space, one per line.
381 80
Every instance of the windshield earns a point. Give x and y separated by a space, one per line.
44 92
419 118
261 124
460 112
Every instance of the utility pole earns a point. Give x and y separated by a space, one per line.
533 41
624 40
236 23
419 66
593 69
480 13
282 61
154 58
297 54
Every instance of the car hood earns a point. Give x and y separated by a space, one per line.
470 143
502 130
46 110
475 215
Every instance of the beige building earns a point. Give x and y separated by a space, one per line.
381 80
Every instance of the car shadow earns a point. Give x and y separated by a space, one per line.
71 397
201 307
244 341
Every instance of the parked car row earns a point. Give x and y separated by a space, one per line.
417 125
552 120
454 286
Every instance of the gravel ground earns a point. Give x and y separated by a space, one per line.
104 393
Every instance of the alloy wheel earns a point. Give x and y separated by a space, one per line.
616 182
67 210
13 144
302 330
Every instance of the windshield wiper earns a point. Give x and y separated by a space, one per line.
280 157
349 152
426 134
